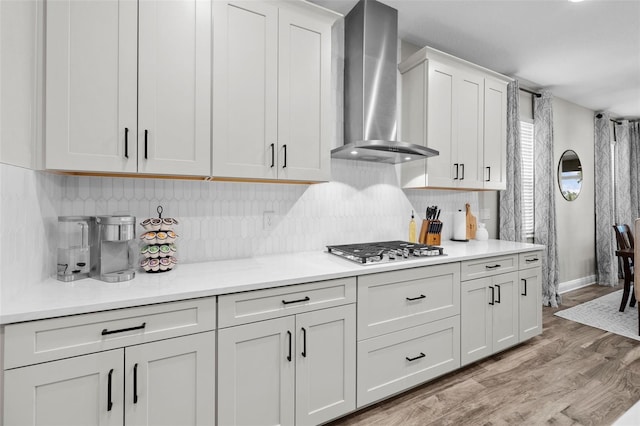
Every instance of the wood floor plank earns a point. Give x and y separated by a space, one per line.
572 374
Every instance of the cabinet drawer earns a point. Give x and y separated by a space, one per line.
488 266
530 260
45 340
259 305
392 301
394 362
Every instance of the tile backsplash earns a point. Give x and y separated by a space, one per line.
218 220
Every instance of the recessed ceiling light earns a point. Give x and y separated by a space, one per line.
575 1
354 152
407 158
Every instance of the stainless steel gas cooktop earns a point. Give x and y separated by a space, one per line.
384 252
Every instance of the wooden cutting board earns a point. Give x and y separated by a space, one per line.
472 223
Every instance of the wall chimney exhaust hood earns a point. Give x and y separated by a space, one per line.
370 76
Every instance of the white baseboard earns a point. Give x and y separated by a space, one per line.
576 284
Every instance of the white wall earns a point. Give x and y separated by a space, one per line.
574 129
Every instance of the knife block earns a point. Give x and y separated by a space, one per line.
432 239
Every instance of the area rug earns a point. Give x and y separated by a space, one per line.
603 313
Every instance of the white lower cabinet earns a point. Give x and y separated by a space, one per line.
489 319
530 303
394 362
298 369
166 382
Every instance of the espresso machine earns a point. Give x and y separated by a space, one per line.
73 248
113 248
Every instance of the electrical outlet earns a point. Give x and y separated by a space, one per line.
268 220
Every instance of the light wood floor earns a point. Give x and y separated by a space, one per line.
570 375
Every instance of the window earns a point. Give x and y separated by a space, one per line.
526 140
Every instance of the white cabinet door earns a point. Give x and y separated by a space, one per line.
505 311
91 85
476 319
20 35
174 87
470 107
171 382
325 364
245 84
441 124
495 134
82 391
304 84
256 373
530 303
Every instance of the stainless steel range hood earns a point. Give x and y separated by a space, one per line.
370 73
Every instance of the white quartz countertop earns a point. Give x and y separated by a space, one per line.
53 298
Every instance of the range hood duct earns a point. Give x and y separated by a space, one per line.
370 77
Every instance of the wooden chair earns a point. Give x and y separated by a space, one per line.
636 286
624 238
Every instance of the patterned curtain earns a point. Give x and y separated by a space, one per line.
511 198
634 147
544 201
622 172
605 215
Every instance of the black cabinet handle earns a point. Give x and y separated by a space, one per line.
304 342
289 356
122 330
422 355
535 259
456 165
493 295
493 266
422 296
126 142
146 145
462 167
285 155
288 302
525 287
135 383
498 287
489 176
273 154
109 402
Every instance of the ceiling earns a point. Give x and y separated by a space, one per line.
587 53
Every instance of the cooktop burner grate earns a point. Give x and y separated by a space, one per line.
386 251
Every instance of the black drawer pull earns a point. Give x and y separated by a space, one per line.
493 295
456 166
493 266
535 259
285 156
422 355
122 330
525 288
489 170
498 287
146 144
285 302
462 167
109 402
422 296
289 356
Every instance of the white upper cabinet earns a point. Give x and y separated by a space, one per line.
495 134
91 85
459 109
174 86
20 65
271 91
128 86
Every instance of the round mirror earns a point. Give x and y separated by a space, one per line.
570 175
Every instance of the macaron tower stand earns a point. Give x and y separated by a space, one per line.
158 248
